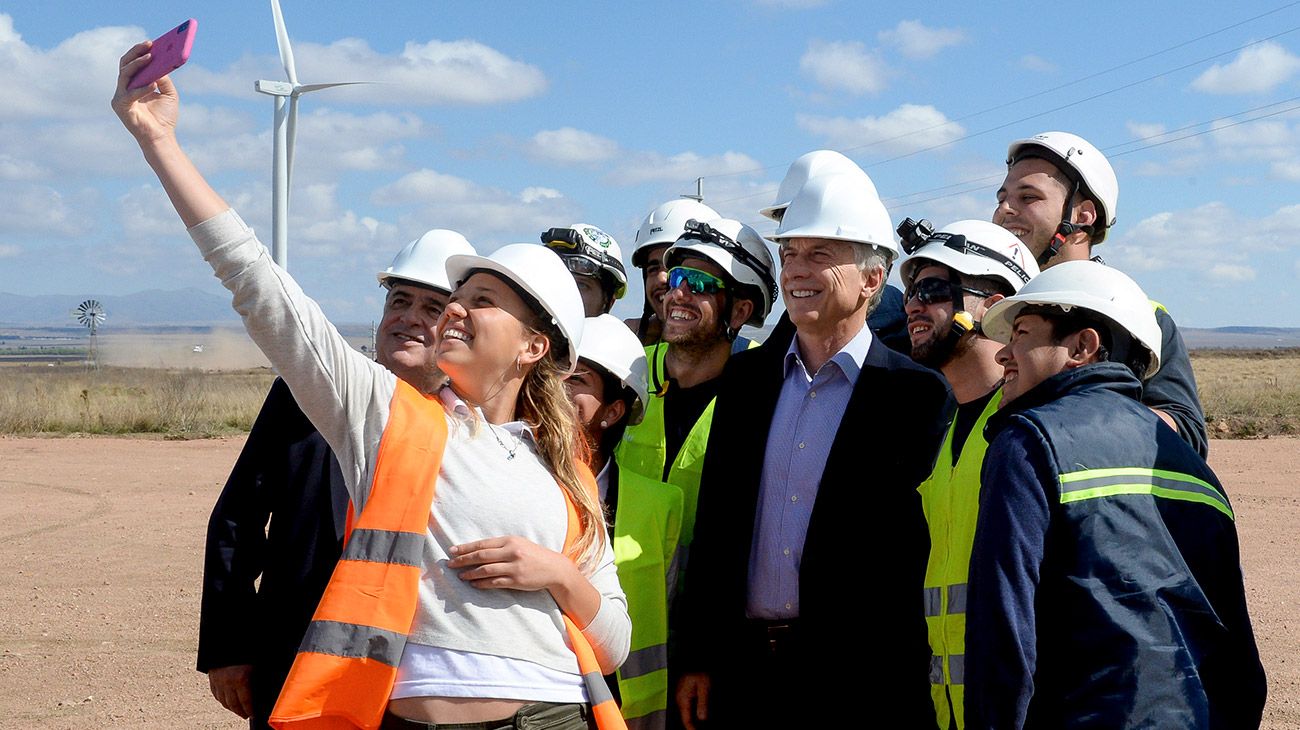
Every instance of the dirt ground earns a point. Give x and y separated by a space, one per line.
101 544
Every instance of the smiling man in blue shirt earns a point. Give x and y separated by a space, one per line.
813 433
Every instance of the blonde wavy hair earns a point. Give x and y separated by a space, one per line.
544 404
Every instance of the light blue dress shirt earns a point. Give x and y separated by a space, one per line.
807 417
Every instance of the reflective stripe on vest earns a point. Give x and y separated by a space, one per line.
348 660
347 663
647 528
1097 483
950 499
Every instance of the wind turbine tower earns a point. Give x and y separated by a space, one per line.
286 95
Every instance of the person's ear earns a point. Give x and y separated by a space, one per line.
535 347
741 311
1085 347
985 305
613 412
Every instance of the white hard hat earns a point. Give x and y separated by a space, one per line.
1090 286
843 207
808 166
1081 162
738 249
424 260
588 251
974 248
541 275
607 342
665 224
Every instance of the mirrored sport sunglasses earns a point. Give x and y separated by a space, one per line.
933 290
699 282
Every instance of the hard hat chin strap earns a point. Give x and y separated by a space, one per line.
1064 230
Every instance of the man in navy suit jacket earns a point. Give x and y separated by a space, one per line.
805 582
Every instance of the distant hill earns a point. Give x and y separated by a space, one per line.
1241 337
147 308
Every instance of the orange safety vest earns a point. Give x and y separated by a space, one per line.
347 663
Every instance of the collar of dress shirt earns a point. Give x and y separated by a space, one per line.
459 407
849 359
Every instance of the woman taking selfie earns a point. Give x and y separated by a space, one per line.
478 585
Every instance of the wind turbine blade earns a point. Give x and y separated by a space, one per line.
291 133
317 87
282 41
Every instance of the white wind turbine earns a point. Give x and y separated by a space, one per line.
286 95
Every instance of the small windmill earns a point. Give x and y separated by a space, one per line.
91 315
286 95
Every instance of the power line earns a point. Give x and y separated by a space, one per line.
1036 95
981 183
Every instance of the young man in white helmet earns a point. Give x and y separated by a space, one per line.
1105 580
720 277
820 440
952 278
1060 197
596 262
645 515
660 229
287 473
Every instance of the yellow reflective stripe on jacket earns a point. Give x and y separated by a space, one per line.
950 500
647 528
1097 483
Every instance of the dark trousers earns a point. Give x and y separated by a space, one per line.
769 682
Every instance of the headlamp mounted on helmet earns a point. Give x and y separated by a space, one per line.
918 234
569 243
707 233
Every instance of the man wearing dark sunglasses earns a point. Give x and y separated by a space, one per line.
806 573
952 278
1059 197
596 262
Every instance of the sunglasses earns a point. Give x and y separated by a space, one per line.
581 265
699 282
933 290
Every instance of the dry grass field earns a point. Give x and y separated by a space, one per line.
173 403
1249 393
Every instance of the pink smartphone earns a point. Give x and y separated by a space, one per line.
170 52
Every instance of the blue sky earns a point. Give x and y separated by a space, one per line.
501 119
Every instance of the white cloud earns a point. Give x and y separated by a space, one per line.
916 40
73 80
12 168
908 128
569 146
682 167
1232 273
1211 242
1031 62
478 211
43 210
1255 70
9 250
844 66
432 73
145 212
1143 130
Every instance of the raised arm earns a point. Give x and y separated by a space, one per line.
150 115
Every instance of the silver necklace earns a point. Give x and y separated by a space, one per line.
510 451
